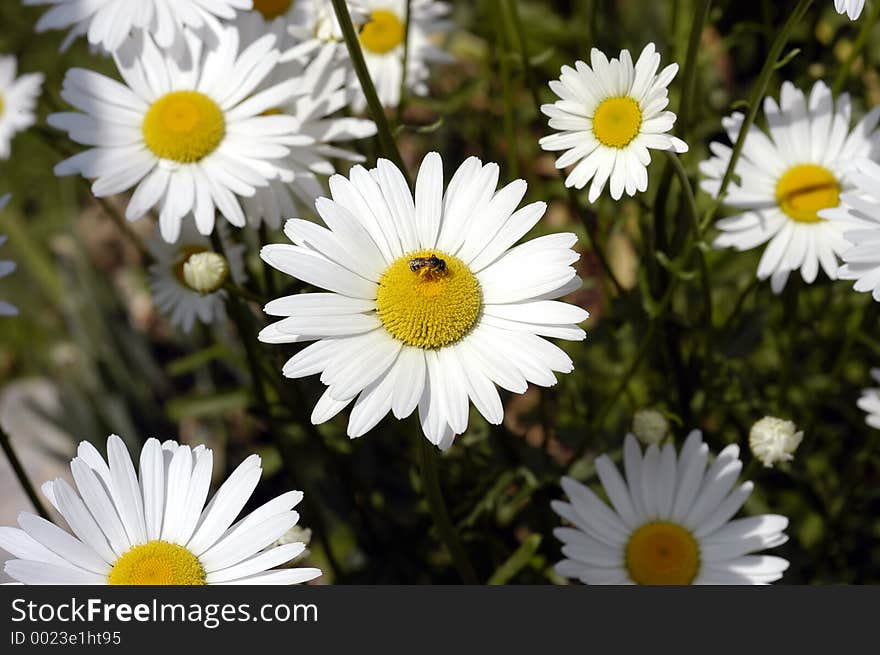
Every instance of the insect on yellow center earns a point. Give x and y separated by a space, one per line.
272 8
184 126
428 299
617 121
804 190
157 563
662 553
383 32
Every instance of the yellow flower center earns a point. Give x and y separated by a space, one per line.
662 553
272 8
428 300
1 104
617 121
157 563
383 32
184 126
804 190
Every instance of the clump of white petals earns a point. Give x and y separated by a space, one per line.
205 272
774 440
650 426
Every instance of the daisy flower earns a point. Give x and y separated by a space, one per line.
187 276
320 96
314 26
382 41
18 98
426 305
784 179
869 402
669 522
151 526
109 23
610 114
852 8
859 215
773 440
190 141
6 267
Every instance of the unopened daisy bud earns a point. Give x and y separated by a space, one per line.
205 272
650 426
774 440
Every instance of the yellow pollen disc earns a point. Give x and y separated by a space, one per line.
662 553
428 303
184 126
272 8
804 190
383 32
617 121
157 563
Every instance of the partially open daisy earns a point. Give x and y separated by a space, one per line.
186 277
6 267
869 402
669 522
151 526
321 94
426 304
382 41
189 140
859 215
785 179
852 8
18 98
109 23
610 115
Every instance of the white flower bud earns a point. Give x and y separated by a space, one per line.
650 426
205 272
774 440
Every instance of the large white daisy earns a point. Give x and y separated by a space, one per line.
869 401
382 41
426 304
852 8
186 277
6 267
610 115
669 522
109 23
151 526
784 179
189 140
859 215
18 99
320 95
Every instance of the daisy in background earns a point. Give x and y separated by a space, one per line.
110 23
426 303
610 115
852 8
18 99
382 40
859 215
151 526
669 522
869 402
187 277
321 94
6 267
314 26
190 141
785 179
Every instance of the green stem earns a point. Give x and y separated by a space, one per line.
124 227
758 91
861 41
590 227
23 480
386 139
442 521
405 62
689 77
506 89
